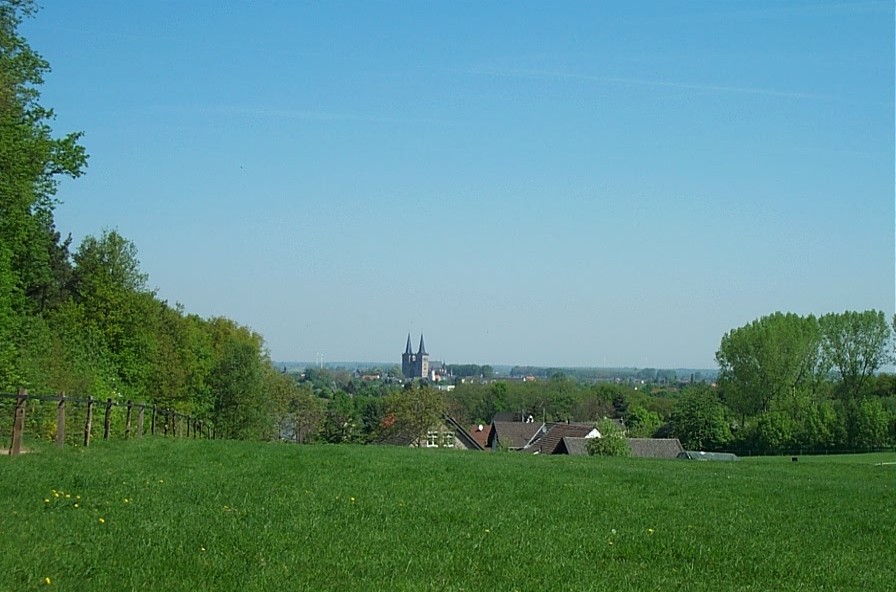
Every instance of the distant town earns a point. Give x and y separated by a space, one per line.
418 364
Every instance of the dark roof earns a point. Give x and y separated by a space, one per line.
655 447
422 347
480 436
550 441
513 434
407 348
573 446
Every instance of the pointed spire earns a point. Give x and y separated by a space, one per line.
408 349
422 350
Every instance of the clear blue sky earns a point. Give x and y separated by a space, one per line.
595 183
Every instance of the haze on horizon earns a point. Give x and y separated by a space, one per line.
609 184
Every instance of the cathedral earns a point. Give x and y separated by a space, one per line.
415 365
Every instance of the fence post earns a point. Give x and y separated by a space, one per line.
165 426
108 419
140 421
60 421
152 422
18 423
127 421
189 421
88 425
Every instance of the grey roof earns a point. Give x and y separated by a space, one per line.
573 446
550 441
655 447
407 348
422 350
514 434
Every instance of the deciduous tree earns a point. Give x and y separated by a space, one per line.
856 345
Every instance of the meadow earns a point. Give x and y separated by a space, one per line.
172 514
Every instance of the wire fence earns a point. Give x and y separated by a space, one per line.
74 421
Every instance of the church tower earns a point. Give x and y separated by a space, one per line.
415 365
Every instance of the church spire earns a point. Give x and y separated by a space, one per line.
408 349
422 350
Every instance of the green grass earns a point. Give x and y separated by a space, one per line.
215 515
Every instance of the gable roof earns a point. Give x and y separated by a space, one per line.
550 441
655 447
573 446
463 435
514 434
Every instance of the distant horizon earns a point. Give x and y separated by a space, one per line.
374 364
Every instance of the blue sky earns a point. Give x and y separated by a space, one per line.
575 184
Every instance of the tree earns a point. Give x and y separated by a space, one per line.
32 159
698 420
612 440
410 413
856 345
867 424
770 357
642 423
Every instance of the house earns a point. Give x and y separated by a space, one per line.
655 447
514 435
550 441
479 432
572 446
640 447
446 434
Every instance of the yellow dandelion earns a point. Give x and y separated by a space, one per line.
76 505
487 530
47 581
102 521
55 494
127 501
77 497
353 499
68 495
202 549
46 501
610 542
649 531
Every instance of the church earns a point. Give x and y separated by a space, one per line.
415 365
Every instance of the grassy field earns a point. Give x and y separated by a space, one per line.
212 515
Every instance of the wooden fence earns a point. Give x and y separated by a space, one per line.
161 420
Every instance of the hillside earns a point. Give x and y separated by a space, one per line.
214 515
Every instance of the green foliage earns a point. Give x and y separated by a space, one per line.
867 424
410 413
699 420
856 345
642 423
772 356
612 440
